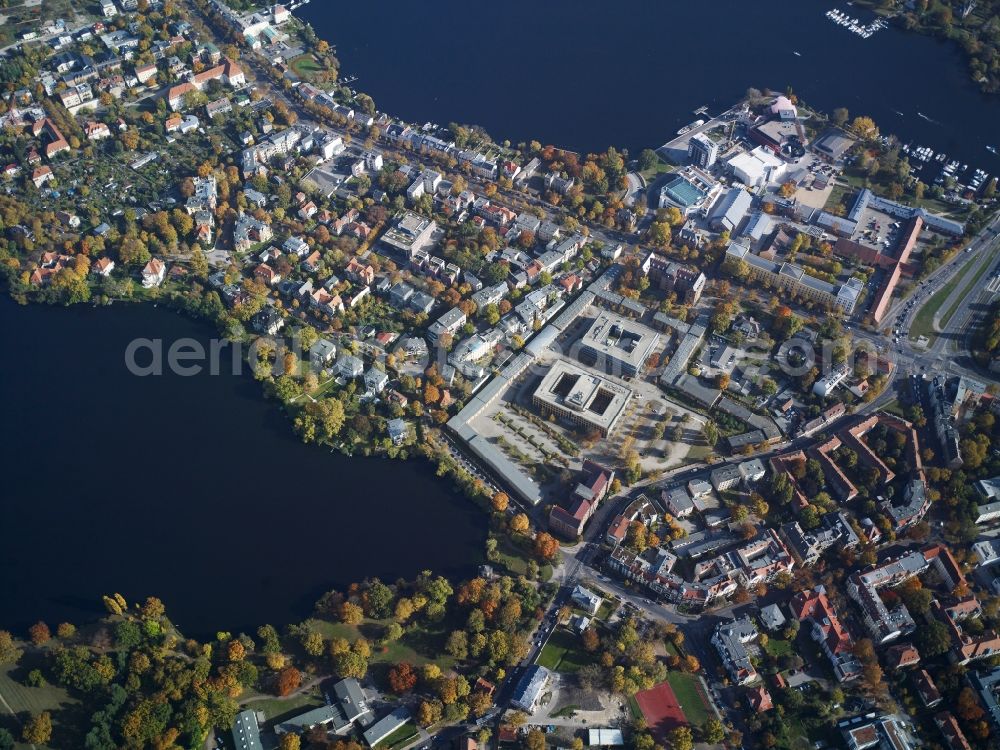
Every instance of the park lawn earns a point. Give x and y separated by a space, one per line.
30 699
402 736
418 646
25 700
562 653
661 167
511 556
688 690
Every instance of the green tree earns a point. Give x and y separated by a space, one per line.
378 600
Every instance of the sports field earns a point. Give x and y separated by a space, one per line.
661 710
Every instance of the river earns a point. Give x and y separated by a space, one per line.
193 489
586 74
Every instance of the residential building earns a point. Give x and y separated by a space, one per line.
154 273
449 323
399 431
349 367
726 477
730 641
530 688
586 600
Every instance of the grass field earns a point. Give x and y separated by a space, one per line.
777 647
633 707
24 700
688 690
562 653
304 66
276 709
402 736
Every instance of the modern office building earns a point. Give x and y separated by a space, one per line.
702 151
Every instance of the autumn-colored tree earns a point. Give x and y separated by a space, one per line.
289 741
39 633
591 640
9 652
968 706
519 523
66 630
152 609
235 651
287 681
691 664
38 730
499 502
479 703
680 739
312 642
429 712
546 546
351 614
535 740
402 678
350 664
404 609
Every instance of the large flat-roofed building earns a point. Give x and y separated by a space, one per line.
729 210
690 190
410 233
581 397
620 342
246 732
793 278
776 134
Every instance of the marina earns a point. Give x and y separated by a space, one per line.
865 31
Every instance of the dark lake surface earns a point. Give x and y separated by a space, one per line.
586 74
193 489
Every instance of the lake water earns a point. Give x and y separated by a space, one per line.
586 74
193 489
